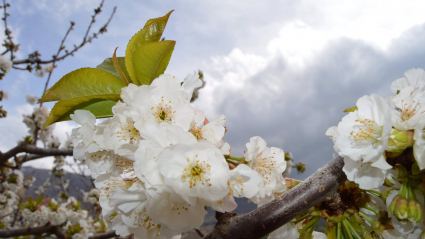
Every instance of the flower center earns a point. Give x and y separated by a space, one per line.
128 132
163 112
124 165
179 207
368 131
197 132
264 165
407 111
196 173
99 156
109 186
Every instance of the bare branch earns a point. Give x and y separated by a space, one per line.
93 19
57 230
76 48
104 235
11 46
15 217
48 229
200 233
280 211
61 47
32 149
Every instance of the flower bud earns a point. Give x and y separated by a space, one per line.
399 141
357 219
378 227
393 204
385 194
414 211
366 235
290 182
401 208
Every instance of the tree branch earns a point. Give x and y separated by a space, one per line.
199 232
7 31
50 229
280 211
103 29
104 235
32 149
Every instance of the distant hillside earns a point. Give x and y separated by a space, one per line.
76 182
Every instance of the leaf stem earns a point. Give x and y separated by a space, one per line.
234 163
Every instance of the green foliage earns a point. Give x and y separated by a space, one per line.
108 66
98 89
352 109
84 82
32 204
151 32
151 60
100 106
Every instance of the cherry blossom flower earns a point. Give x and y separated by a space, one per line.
195 171
269 163
364 133
162 102
409 110
414 78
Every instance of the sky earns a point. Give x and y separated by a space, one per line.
282 70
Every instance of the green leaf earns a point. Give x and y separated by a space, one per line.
151 60
352 109
151 32
100 106
84 82
38 200
108 66
415 169
118 67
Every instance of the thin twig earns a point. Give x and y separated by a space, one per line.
48 229
199 232
68 53
61 47
7 32
19 68
6 215
104 235
17 212
32 149
93 19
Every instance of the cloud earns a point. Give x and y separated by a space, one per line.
12 129
292 106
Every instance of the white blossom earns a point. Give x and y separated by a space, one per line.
31 99
364 133
5 64
195 171
162 102
269 163
414 78
190 84
409 110
212 132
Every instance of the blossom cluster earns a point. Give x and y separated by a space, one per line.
382 142
36 120
8 198
69 214
159 162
